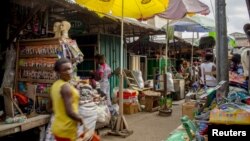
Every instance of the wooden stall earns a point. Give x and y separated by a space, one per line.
31 29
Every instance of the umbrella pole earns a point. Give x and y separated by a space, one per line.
166 51
121 127
192 56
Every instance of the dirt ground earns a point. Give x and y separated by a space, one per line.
146 127
150 126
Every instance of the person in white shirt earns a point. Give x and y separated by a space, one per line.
208 66
244 51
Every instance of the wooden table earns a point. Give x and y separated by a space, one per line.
30 123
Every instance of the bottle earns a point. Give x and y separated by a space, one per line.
189 126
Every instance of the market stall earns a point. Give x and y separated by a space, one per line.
39 44
212 108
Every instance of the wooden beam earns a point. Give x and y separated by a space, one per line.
30 123
33 12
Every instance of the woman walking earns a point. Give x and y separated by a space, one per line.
65 103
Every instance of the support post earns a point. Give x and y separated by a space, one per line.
121 127
221 42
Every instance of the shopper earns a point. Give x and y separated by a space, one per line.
245 50
207 66
65 101
235 65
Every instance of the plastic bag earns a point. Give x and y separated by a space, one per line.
170 82
9 74
89 113
103 114
138 77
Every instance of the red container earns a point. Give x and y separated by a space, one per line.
128 94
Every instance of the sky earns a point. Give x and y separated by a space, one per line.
237 15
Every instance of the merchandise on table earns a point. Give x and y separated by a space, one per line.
229 115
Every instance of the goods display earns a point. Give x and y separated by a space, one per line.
35 65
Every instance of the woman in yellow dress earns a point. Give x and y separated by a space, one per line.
65 101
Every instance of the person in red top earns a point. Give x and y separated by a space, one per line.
102 75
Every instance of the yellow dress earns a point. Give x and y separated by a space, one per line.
63 126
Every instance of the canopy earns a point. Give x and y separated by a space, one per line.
193 24
178 9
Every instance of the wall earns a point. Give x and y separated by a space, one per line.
110 47
242 42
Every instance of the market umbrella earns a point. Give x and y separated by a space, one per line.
138 9
193 24
178 9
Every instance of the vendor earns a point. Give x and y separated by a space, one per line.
103 74
65 101
235 65
185 69
236 77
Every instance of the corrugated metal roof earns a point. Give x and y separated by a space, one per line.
238 35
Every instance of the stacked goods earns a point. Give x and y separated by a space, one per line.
130 101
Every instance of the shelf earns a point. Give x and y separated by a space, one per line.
38 56
41 41
35 68
36 80
42 95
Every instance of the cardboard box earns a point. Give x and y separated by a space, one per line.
188 109
130 108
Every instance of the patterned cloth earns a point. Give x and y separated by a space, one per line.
49 135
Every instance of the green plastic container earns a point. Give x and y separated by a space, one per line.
178 135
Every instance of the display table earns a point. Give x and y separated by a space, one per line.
30 123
